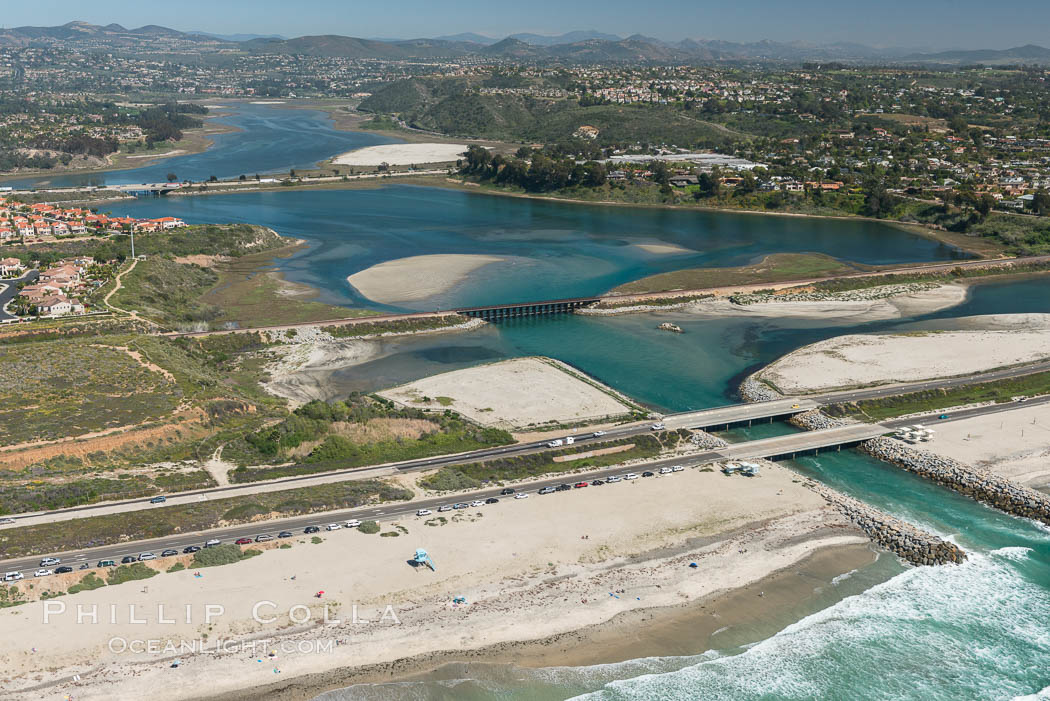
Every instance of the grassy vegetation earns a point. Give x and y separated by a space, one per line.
241 291
936 400
222 555
451 107
395 326
318 424
130 573
849 284
139 525
369 527
89 582
778 267
73 386
473 475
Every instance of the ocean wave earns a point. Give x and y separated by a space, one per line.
971 631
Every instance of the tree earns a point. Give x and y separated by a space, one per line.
984 205
172 177
1041 203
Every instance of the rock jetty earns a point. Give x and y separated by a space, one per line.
751 390
707 441
982 485
668 326
815 420
899 537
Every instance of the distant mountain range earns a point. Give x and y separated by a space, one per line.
578 46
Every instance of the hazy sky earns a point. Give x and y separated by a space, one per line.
923 24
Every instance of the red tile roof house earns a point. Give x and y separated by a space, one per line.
58 305
7 232
10 266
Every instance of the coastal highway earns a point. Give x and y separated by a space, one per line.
713 418
778 445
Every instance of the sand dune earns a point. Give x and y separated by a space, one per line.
417 277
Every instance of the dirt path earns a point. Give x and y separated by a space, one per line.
218 468
119 285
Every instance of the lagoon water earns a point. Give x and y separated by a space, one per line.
268 139
976 631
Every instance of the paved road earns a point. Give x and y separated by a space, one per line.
9 290
707 418
800 442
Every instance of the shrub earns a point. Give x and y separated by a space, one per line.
89 582
222 555
129 573
369 527
177 567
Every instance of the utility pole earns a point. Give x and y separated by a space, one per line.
132 244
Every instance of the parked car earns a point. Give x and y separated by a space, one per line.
459 505
581 485
521 495
424 512
506 490
43 573
106 563
446 507
477 502
657 427
147 556
647 473
158 500
597 483
943 416
547 490
678 468
492 500
612 479
243 541
352 523
49 561
563 487
63 570
285 534
556 443
212 543
127 560
169 553
630 476
13 576
6 521
188 549
263 538
598 434
332 527
665 470
311 529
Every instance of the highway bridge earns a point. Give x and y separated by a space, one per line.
146 189
776 448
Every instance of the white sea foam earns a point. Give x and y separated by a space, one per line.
882 644
843 577
1013 553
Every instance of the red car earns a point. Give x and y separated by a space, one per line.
244 541
579 485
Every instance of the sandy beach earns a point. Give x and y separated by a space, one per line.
864 360
1015 444
401 154
519 584
512 394
417 277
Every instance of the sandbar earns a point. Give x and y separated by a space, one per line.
662 249
877 359
401 154
417 277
